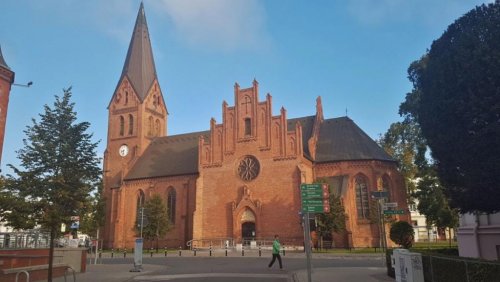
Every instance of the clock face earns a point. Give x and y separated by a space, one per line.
123 150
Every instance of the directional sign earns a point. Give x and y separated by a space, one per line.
394 212
379 194
315 197
316 209
391 205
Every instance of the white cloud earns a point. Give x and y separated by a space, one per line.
227 24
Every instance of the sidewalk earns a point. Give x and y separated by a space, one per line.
341 274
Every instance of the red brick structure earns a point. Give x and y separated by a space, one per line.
6 80
240 178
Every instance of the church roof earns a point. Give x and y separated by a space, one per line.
2 60
340 139
168 156
139 65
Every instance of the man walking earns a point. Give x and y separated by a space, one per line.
276 252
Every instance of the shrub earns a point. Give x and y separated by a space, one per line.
402 234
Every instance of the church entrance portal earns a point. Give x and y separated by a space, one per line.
248 232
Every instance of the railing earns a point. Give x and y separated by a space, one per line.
215 243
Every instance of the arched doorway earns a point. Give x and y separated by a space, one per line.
248 232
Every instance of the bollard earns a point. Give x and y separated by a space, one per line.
180 251
151 252
226 249
100 253
165 250
112 253
125 253
242 250
260 251
210 250
194 251
283 249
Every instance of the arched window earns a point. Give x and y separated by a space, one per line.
361 190
171 204
157 127
122 125
150 126
126 97
139 209
130 124
248 127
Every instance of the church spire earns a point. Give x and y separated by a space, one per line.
139 65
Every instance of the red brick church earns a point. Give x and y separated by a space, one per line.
240 178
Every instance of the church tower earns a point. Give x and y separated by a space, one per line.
6 80
136 114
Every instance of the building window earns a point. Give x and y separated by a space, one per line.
150 126
139 209
130 124
171 204
248 127
126 97
122 126
157 127
361 190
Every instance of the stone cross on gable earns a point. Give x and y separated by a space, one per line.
246 103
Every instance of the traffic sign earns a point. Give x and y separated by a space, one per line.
379 194
315 197
394 212
313 194
391 205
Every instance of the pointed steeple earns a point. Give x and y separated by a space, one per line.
2 61
139 65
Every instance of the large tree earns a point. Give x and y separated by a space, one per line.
59 169
456 101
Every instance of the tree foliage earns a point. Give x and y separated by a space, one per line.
59 169
156 216
94 215
334 221
402 234
456 101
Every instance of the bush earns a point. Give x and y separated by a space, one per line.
402 234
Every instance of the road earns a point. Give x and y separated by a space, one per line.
241 269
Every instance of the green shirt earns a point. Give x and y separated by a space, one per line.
276 246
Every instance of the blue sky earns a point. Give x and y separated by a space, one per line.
352 53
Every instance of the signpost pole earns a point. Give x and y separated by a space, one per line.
307 245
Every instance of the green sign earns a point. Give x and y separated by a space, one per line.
316 209
313 202
394 212
312 193
313 186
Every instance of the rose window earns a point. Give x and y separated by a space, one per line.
249 168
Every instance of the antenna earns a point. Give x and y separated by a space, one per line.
345 111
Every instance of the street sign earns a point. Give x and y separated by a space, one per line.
315 197
391 205
394 212
316 209
379 194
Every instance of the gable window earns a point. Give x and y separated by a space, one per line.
130 124
157 127
361 190
150 126
248 127
122 125
171 204
126 97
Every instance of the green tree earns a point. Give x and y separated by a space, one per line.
94 215
59 169
402 234
334 221
156 216
456 101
